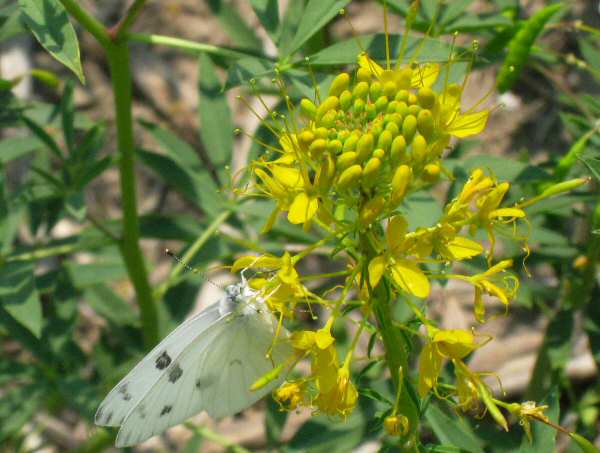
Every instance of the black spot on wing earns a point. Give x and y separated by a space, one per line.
175 373
163 361
165 410
99 414
235 362
109 417
198 383
123 390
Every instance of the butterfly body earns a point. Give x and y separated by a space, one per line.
207 363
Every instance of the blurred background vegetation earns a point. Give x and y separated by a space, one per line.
70 326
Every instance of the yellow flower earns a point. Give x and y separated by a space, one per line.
450 118
404 272
396 425
443 344
290 395
336 397
406 77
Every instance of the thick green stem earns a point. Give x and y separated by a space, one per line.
119 65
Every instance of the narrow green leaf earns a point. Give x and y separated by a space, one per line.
236 28
289 25
67 110
109 305
75 205
85 275
267 12
14 147
452 430
49 23
316 14
248 68
19 297
593 164
19 405
214 114
585 445
44 137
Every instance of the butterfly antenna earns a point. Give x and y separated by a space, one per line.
191 269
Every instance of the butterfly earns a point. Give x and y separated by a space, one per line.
207 363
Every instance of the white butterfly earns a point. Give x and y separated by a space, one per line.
208 363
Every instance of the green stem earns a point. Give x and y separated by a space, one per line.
64 249
132 14
189 255
119 65
190 46
91 24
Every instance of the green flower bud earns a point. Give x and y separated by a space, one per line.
385 140
402 96
339 84
346 159
322 132
343 135
371 210
364 147
402 108
375 90
391 107
419 149
404 78
370 172
308 108
381 103
425 123
392 126
363 75
349 177
328 120
306 137
371 112
334 146
400 182
360 91
350 143
426 98
414 110
412 98
345 100
398 149
379 154
317 147
331 103
431 172
409 128
358 107
390 89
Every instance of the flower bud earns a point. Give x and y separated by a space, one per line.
414 110
371 112
321 132
363 75
390 89
404 78
328 120
393 128
306 137
375 90
371 210
317 147
425 123
358 107
426 98
364 147
385 140
402 108
402 96
409 128
400 182
370 172
345 100
392 105
431 172
379 153
346 159
360 91
396 425
349 176
331 103
334 146
350 142
381 103
339 84
412 98
419 149
398 149
308 108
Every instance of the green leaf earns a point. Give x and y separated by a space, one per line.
543 436
49 23
585 445
236 28
10 22
109 305
245 69
19 405
322 436
75 206
291 19
181 227
85 275
316 14
452 430
214 114
19 297
275 420
14 147
67 110
592 163
267 12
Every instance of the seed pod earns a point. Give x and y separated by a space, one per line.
431 172
363 75
390 89
404 78
308 108
361 90
350 143
520 46
331 103
339 84
370 172
398 149
317 147
426 98
349 176
375 90
418 149
381 103
328 120
400 182
425 123
385 140
409 128
346 159
364 146
371 210
345 100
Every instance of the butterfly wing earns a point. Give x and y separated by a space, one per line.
131 389
215 373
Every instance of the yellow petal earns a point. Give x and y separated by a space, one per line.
430 365
303 208
250 261
507 212
323 338
468 124
396 232
410 278
425 75
289 143
494 290
376 270
364 61
303 339
455 343
461 247
287 176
